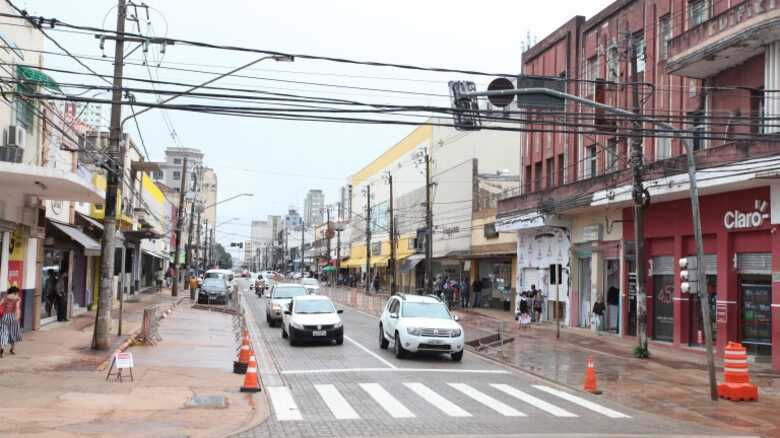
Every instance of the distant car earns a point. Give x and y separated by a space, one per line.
222 273
312 285
312 318
420 323
214 290
281 295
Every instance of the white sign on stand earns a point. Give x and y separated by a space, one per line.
121 361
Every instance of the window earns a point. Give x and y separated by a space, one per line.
663 148
613 156
697 128
698 12
527 187
592 73
560 170
25 107
177 161
158 174
550 172
639 45
613 73
590 163
176 175
757 111
664 35
538 176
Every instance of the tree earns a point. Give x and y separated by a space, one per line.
223 259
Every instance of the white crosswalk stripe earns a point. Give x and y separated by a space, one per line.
595 407
533 401
501 408
389 403
283 404
441 403
336 402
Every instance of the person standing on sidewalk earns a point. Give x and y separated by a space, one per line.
538 301
477 288
465 299
10 333
62 297
597 321
50 291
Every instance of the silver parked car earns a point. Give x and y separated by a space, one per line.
281 296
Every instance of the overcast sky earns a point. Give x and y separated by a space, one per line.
279 161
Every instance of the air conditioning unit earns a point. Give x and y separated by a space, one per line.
13 142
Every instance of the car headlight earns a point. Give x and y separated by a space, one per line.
455 332
338 324
276 307
296 325
414 331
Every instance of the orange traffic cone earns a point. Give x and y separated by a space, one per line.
737 386
251 384
590 378
240 365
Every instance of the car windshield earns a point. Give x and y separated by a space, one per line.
425 310
314 306
310 282
215 275
213 282
289 291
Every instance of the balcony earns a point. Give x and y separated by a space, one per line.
726 40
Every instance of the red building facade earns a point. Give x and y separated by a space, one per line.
711 69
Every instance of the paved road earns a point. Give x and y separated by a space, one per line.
357 389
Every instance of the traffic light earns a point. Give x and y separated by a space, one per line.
465 109
688 275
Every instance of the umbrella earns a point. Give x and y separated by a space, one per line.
329 269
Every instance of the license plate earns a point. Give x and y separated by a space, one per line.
436 342
319 333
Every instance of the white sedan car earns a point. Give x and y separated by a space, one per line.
312 318
312 285
420 323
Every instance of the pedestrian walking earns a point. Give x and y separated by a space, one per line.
597 318
477 288
538 303
376 283
10 314
160 279
50 291
523 313
168 276
61 290
465 299
193 282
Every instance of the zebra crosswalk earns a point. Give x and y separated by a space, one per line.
398 400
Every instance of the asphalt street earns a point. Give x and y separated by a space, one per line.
358 389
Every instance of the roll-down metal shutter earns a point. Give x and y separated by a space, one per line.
754 263
663 265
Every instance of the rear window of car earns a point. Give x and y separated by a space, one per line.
289 292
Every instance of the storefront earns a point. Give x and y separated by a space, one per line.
741 247
494 276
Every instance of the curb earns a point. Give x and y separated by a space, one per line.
133 336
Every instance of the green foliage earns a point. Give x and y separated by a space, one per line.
222 257
641 353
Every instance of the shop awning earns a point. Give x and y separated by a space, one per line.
379 261
529 221
30 74
353 263
411 262
48 183
90 245
94 222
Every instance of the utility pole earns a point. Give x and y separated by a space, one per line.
639 201
204 261
198 251
188 255
327 236
101 337
368 239
391 264
179 225
428 227
211 247
303 242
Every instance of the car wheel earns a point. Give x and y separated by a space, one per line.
383 342
268 319
291 337
456 357
340 340
399 351
284 333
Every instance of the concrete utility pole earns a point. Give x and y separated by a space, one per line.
327 234
179 225
368 239
101 337
391 263
211 247
637 158
303 242
188 254
428 227
198 256
204 256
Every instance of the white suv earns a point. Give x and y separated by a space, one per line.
420 323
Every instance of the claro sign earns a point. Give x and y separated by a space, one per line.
735 219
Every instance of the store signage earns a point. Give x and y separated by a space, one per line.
591 232
735 219
721 313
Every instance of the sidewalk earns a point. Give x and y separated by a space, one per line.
672 383
53 388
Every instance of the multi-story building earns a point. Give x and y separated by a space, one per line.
710 70
314 207
262 234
